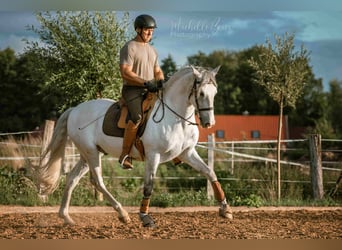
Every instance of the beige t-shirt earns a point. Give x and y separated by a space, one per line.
142 57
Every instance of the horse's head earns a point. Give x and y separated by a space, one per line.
202 95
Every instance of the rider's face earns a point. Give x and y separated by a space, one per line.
147 34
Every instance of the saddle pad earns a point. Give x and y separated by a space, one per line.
110 121
113 125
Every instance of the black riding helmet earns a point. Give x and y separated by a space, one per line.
145 21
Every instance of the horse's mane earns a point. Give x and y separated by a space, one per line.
184 70
181 72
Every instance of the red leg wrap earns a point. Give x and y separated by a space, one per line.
145 203
218 192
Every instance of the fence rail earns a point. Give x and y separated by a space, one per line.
227 148
224 148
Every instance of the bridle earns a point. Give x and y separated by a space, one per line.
197 108
194 90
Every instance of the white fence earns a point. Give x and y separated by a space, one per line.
231 149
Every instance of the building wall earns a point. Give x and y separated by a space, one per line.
245 127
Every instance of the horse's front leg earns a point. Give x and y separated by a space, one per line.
195 161
224 211
150 172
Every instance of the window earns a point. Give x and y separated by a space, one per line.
220 134
255 134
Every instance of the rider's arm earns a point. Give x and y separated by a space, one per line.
129 76
158 74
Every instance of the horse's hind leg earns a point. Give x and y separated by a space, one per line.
72 180
97 180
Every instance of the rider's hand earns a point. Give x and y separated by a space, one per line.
151 86
160 84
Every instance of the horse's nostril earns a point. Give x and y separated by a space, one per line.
207 125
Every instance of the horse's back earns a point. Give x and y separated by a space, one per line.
86 117
91 109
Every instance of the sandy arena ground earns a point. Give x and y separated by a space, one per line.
173 223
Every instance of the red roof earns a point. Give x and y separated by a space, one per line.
243 127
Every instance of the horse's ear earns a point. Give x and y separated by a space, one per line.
196 72
216 70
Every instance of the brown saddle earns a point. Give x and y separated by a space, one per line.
117 116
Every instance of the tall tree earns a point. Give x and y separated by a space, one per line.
168 66
85 50
8 120
253 98
227 100
282 72
335 105
312 109
22 105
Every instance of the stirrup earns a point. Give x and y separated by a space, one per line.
123 166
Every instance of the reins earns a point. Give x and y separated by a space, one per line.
163 104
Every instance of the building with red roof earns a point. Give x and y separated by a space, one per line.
245 127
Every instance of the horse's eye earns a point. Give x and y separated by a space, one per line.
202 94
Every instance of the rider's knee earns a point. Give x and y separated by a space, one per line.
136 119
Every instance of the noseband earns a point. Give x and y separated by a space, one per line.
194 90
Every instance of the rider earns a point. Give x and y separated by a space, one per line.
139 70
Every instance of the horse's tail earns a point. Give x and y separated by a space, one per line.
50 168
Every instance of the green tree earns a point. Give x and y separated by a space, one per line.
312 109
168 66
36 73
282 72
227 100
253 98
237 91
83 48
9 120
335 106
22 105
200 59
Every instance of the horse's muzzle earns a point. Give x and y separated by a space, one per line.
208 125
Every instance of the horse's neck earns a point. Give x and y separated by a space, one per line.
177 93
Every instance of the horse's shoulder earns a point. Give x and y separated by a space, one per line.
105 100
101 102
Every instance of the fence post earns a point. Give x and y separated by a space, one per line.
316 172
232 160
211 146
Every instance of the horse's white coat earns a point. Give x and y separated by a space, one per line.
167 135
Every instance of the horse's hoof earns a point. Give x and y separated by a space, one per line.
226 213
69 222
147 221
124 219
67 219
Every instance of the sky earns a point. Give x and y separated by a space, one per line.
185 33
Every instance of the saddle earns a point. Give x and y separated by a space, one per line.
117 116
